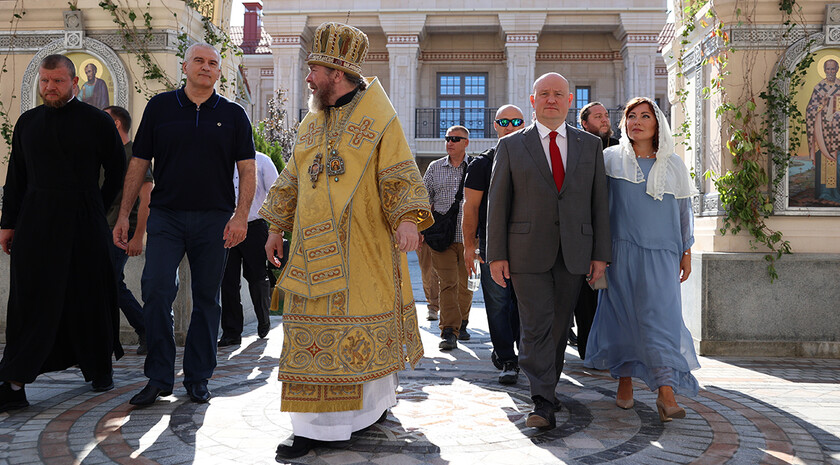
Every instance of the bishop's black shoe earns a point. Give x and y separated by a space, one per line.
300 446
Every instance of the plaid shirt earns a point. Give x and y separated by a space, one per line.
442 181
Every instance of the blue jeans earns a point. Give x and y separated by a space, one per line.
171 234
502 315
129 305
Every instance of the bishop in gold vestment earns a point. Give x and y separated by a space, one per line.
349 188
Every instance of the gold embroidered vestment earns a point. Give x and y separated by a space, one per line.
349 315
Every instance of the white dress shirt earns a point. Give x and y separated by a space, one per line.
562 142
266 174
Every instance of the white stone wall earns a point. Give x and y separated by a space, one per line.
511 42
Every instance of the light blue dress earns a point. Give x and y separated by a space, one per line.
638 329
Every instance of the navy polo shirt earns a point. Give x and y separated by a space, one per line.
194 149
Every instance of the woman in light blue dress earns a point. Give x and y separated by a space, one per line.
638 330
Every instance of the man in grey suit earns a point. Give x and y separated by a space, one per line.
547 227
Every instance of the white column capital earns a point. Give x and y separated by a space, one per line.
285 25
402 24
522 23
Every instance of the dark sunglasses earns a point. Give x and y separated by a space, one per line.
454 138
516 122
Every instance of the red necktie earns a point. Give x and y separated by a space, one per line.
556 161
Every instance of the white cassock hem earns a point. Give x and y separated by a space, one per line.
378 395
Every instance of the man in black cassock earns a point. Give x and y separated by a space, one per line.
54 216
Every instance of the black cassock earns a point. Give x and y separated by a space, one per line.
62 301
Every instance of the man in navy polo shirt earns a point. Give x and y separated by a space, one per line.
195 136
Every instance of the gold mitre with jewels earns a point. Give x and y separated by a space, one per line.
340 47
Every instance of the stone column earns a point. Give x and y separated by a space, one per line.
521 31
639 54
403 34
289 48
289 60
639 36
521 51
403 53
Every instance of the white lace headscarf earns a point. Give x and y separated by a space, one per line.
668 174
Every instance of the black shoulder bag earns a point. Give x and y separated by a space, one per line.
441 235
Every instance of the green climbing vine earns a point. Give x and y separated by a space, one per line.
137 31
6 126
747 189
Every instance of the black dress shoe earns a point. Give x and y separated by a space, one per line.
198 392
229 341
300 446
102 384
543 415
262 330
11 399
573 340
148 396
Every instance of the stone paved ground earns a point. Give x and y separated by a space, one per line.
450 410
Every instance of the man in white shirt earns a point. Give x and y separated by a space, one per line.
249 258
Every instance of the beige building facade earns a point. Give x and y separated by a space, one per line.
445 63
730 303
88 35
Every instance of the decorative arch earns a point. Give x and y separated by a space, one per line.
105 54
786 202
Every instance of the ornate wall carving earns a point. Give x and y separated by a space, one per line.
30 42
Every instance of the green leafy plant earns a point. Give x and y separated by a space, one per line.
747 190
136 29
6 126
277 129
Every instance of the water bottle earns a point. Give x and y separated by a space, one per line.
475 277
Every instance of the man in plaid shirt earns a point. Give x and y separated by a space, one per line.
443 179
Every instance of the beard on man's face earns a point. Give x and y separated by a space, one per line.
62 99
604 132
319 99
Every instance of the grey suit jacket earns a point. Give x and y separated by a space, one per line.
528 220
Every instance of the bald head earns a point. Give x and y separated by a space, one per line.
551 100
512 114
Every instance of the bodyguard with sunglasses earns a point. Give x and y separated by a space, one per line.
500 302
443 180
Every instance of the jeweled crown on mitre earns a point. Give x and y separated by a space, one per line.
339 46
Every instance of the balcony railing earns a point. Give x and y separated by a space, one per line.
432 123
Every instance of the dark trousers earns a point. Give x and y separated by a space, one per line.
546 305
248 258
171 234
587 303
502 315
129 305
